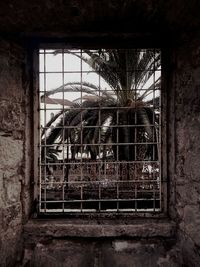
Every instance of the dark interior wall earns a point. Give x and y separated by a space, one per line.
58 17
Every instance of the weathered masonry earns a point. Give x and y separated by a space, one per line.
88 206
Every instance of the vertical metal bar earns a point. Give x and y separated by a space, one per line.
99 138
45 148
40 160
154 198
117 196
36 125
162 140
135 197
99 195
63 134
81 65
154 129
116 147
81 198
135 137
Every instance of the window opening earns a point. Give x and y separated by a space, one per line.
100 130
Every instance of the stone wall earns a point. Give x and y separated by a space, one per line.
182 79
185 183
16 130
121 244
13 167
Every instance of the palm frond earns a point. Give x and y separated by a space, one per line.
50 122
73 87
126 72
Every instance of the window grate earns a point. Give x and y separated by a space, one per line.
100 130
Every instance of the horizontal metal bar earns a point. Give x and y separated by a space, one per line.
101 211
98 108
102 126
46 49
107 90
99 72
98 200
103 181
84 163
148 191
101 144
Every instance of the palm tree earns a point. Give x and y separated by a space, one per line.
110 120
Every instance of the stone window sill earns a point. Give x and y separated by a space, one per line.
66 228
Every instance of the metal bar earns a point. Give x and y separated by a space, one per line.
114 126
99 200
139 211
98 162
81 172
113 181
103 144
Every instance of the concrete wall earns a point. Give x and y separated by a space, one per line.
100 253
100 243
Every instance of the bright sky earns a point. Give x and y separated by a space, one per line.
52 76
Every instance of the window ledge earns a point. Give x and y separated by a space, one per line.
65 228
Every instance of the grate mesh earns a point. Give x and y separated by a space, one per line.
100 130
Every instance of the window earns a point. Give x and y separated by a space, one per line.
100 131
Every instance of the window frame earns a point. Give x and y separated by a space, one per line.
36 127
